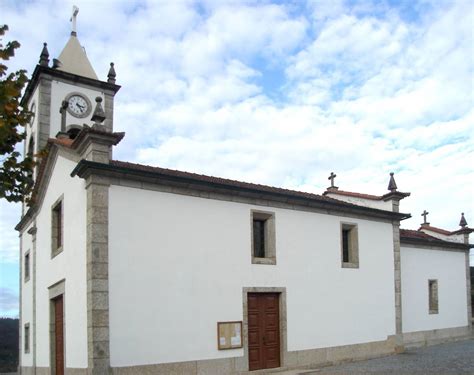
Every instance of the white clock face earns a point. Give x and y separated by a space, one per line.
78 106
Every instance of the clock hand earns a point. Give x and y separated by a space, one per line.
80 106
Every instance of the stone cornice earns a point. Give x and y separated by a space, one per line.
66 77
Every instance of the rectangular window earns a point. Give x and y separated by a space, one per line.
345 245
259 238
27 338
27 266
433 296
349 246
57 228
263 237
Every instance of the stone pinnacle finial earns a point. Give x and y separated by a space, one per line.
111 76
99 115
392 185
44 57
463 222
425 214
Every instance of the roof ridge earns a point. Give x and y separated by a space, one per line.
219 179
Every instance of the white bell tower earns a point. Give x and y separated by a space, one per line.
62 95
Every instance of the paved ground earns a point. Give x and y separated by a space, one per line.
452 358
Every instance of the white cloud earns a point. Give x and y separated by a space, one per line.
363 89
8 303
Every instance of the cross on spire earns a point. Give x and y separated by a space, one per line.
73 19
332 177
424 214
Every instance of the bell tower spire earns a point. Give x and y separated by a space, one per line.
61 95
73 58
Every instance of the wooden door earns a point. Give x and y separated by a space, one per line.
263 330
59 335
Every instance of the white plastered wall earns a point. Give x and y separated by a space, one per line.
59 91
372 203
26 298
69 265
178 264
448 267
459 238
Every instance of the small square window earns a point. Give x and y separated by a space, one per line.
57 224
263 237
26 266
349 246
26 338
433 296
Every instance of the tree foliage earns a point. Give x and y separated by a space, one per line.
15 172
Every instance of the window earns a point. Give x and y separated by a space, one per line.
57 228
433 296
27 338
31 146
31 153
349 246
263 237
27 266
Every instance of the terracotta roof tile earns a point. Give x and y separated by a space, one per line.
416 236
61 141
222 181
408 233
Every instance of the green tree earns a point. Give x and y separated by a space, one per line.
15 172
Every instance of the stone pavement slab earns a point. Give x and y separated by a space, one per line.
444 359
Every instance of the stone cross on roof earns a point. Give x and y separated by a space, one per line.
332 177
73 19
424 214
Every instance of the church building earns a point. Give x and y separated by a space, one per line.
136 269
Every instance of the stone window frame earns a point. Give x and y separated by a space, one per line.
26 337
270 238
55 250
353 244
27 266
56 290
433 296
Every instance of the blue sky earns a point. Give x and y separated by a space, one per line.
280 93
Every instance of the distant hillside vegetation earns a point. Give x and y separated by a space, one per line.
8 345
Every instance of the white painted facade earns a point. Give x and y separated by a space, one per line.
69 265
26 296
420 265
183 261
372 203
